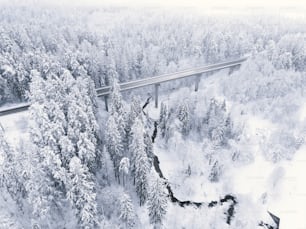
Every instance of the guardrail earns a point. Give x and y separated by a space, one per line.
14 109
156 81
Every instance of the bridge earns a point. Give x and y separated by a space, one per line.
156 81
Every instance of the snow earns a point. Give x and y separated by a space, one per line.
276 187
15 127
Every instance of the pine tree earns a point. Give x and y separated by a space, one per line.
81 192
215 172
164 119
141 175
124 168
134 145
135 112
10 171
183 116
140 163
114 143
217 122
117 109
157 200
149 147
127 214
115 96
82 125
105 167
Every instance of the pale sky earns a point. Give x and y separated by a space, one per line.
298 4
213 3
202 3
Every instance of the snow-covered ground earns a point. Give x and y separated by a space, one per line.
15 127
277 187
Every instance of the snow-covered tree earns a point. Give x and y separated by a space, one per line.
63 127
81 122
11 172
139 160
141 176
47 180
157 200
148 147
81 192
126 210
114 142
135 112
124 168
115 96
183 115
218 122
215 172
164 119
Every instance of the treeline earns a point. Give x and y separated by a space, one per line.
131 44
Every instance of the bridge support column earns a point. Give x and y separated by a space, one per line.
196 87
156 95
232 69
106 102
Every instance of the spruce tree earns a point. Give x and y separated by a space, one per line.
124 168
140 163
135 111
114 142
81 192
11 171
164 120
126 209
183 116
157 200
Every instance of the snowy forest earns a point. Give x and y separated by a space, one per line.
229 156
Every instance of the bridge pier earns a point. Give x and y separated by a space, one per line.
106 102
156 94
196 87
233 69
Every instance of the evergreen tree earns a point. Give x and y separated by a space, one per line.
157 200
124 168
135 112
149 147
11 171
164 119
218 123
215 172
115 96
140 163
127 214
114 142
141 175
183 116
81 192
82 125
